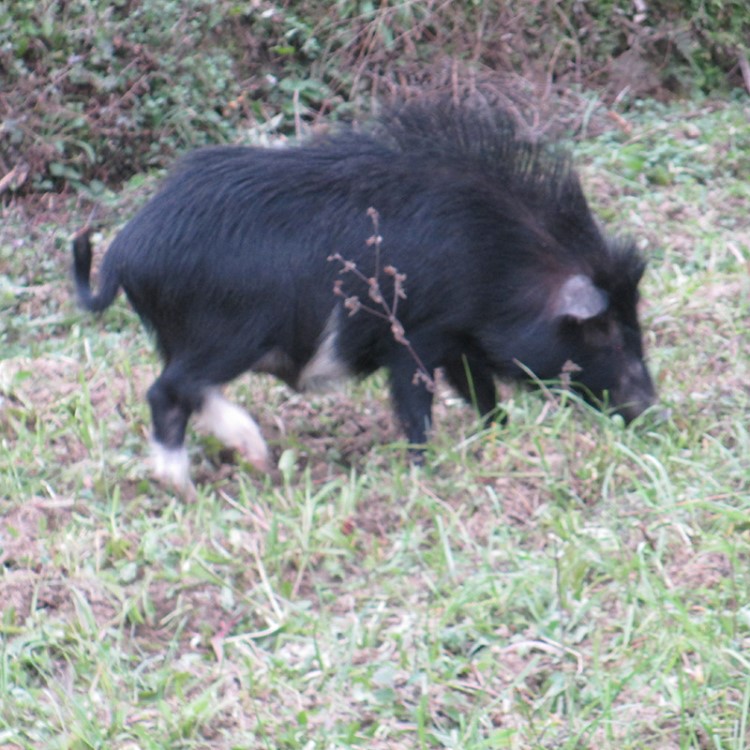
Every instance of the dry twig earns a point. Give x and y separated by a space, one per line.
385 311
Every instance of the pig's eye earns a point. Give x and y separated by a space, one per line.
602 334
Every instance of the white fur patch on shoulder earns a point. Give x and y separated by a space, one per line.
325 366
234 427
171 467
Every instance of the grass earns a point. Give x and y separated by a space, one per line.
560 582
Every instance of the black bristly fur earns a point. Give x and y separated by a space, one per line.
229 265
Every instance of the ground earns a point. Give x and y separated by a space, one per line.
558 582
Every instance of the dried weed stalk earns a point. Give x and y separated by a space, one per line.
384 309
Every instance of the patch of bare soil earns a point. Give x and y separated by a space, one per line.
37 389
25 528
25 591
42 382
699 570
30 581
31 391
375 518
193 611
337 427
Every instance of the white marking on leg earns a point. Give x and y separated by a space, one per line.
325 366
171 467
234 427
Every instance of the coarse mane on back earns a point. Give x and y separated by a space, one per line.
484 138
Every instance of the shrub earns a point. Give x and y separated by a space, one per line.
97 90
105 90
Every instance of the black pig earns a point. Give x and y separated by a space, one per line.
506 273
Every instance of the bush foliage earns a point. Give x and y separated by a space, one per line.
96 91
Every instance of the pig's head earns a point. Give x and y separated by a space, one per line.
596 319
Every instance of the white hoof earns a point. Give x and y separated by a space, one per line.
234 427
171 468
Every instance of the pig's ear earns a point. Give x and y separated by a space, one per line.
578 298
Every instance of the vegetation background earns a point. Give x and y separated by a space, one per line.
560 582
95 92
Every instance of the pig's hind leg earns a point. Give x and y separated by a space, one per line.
186 388
172 398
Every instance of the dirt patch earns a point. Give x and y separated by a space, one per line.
29 380
193 611
700 570
39 395
25 529
26 592
42 383
336 427
376 518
